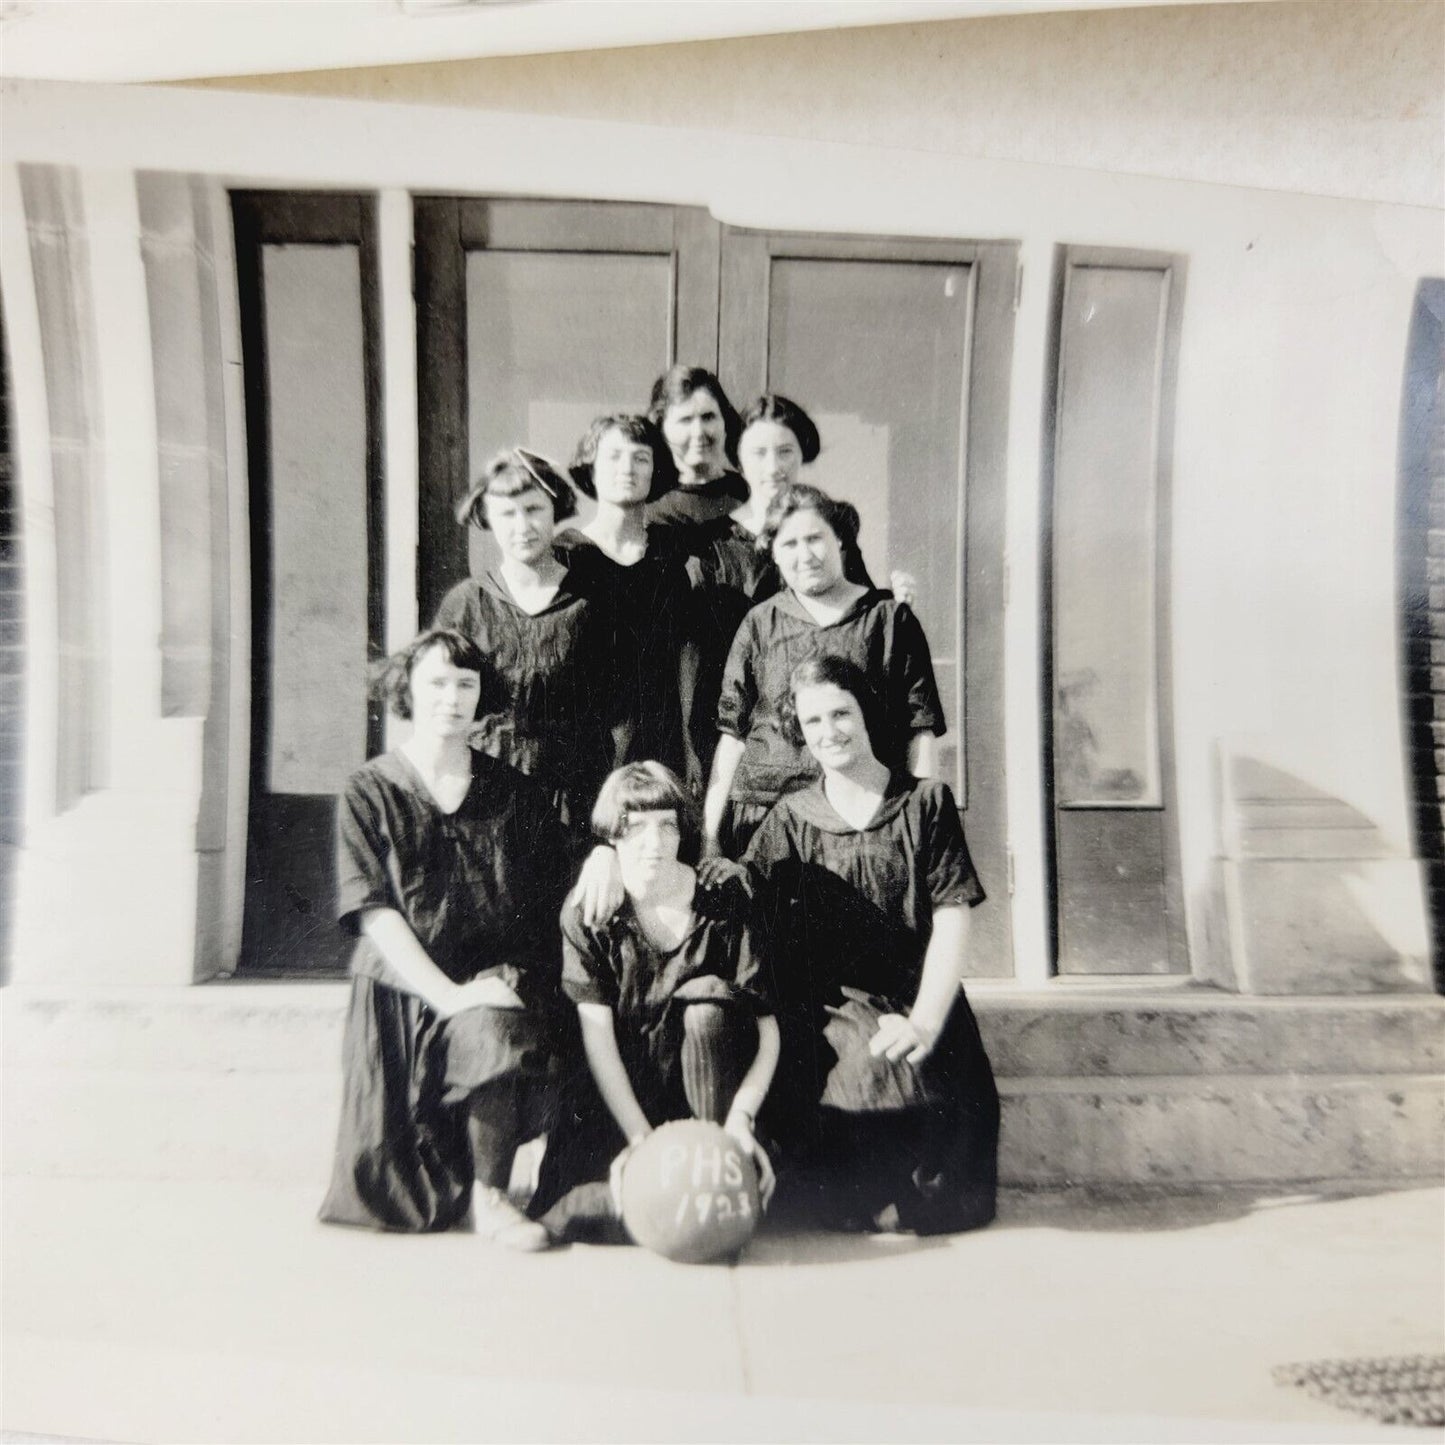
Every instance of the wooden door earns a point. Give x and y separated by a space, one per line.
306 268
533 317
899 348
1111 777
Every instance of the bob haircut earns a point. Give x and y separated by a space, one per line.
509 474
647 788
636 429
678 383
830 670
772 407
393 676
842 517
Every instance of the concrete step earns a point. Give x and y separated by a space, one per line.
1255 1128
243 1083
1068 1031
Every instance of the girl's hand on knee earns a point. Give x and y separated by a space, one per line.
902 1039
489 992
599 891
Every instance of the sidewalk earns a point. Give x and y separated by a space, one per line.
194 1311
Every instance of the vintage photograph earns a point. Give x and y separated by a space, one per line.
722 721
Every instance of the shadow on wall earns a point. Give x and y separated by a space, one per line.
1307 895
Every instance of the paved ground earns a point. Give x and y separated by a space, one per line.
208 1312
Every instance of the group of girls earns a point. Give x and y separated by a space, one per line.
661 845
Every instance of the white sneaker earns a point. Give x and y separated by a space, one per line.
496 1218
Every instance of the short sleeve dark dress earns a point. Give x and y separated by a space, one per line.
695 520
648 990
552 712
728 576
480 889
646 605
880 634
851 913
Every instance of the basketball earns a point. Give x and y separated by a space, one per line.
689 1193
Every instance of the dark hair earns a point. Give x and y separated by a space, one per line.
842 517
636 429
678 383
830 670
393 675
647 788
772 407
509 474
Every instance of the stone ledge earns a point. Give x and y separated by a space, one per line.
1171 1130
1065 1030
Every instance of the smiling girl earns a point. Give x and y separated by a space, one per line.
819 610
871 886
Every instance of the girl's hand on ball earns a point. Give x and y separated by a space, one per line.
614 1174
741 1128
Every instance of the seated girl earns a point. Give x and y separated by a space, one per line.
451 868
867 881
674 1005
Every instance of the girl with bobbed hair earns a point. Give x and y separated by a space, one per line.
890 1104
818 610
451 867
638 572
674 1002
547 635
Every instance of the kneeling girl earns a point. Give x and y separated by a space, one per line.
451 868
870 884
674 1004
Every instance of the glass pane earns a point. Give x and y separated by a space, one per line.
876 352
317 403
554 339
1106 747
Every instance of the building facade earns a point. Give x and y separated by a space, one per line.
1159 451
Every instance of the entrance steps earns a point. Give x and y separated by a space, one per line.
1109 1085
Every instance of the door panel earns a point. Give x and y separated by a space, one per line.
534 317
317 404
306 269
1116 882
893 347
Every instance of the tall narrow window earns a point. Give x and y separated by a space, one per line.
1115 837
